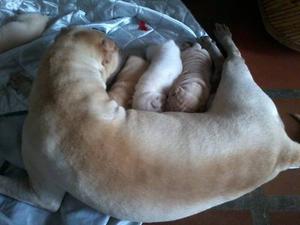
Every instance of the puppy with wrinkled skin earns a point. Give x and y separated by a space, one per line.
22 29
123 88
140 165
153 86
191 89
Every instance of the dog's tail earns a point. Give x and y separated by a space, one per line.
296 116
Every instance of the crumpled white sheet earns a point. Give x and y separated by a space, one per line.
119 19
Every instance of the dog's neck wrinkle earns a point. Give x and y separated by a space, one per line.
89 64
71 53
84 68
65 76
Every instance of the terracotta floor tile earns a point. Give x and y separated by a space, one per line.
286 183
272 64
213 217
285 218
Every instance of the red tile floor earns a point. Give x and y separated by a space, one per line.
277 69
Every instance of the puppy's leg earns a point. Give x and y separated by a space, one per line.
123 89
43 195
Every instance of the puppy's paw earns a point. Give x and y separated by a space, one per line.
149 101
187 97
157 103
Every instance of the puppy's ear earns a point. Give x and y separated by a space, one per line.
107 47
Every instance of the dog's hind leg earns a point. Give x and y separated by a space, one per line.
217 57
237 90
224 37
44 196
239 96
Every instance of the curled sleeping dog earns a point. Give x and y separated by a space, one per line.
140 165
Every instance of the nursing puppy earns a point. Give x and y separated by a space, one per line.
23 28
191 89
153 86
140 165
123 88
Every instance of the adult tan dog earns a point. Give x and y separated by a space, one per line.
138 165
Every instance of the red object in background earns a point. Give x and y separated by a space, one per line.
142 25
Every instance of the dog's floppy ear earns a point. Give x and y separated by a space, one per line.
108 45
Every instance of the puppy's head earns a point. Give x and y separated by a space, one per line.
104 50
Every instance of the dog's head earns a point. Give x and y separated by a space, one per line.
98 45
